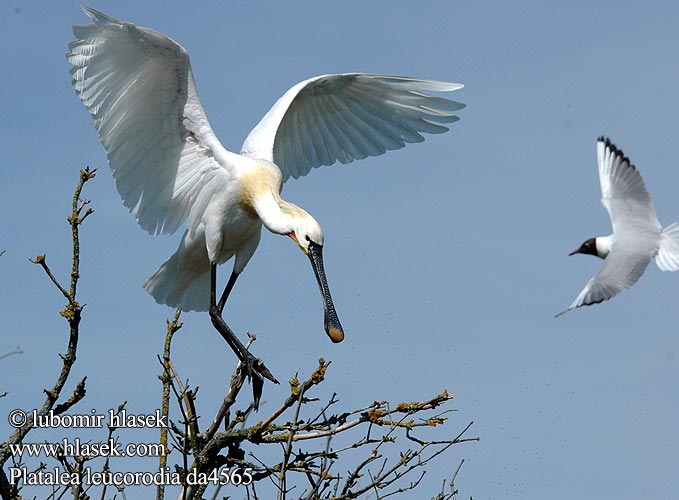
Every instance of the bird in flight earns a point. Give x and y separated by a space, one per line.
170 168
637 235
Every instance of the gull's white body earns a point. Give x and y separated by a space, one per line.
170 169
637 235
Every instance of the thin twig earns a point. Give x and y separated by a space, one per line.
18 350
282 488
40 260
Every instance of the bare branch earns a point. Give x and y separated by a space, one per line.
166 379
72 313
78 394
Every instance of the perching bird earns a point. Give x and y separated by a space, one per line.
637 234
170 168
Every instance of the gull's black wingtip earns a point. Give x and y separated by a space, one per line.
615 150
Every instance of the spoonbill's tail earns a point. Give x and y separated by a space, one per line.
667 257
177 284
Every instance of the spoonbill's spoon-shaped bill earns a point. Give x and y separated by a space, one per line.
637 235
330 321
170 168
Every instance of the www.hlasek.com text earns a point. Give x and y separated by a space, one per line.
77 448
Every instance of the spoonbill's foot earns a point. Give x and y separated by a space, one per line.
256 371
255 368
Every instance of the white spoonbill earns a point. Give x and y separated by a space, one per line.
170 168
637 234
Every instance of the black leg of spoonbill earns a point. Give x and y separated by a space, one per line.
254 366
227 291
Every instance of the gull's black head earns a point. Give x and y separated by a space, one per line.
588 247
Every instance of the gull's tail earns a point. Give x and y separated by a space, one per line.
667 257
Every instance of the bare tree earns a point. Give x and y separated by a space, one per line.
307 448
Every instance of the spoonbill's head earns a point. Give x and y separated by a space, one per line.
308 235
588 248
307 231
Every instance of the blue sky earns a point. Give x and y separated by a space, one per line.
447 260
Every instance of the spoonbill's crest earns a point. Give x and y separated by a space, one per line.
171 169
637 235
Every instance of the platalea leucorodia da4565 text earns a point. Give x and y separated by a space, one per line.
170 169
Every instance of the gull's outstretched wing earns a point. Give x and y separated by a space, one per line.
620 271
623 193
348 117
138 86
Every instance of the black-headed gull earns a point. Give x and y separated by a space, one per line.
637 235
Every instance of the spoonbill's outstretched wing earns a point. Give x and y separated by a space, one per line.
348 117
138 86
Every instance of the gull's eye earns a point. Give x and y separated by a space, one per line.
307 237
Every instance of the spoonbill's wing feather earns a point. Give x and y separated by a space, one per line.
348 117
138 86
620 271
623 193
